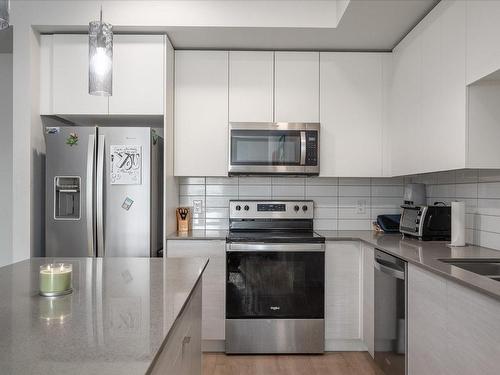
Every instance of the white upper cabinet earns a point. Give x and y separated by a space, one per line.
251 86
428 94
352 92
296 87
483 38
443 97
70 78
138 75
201 113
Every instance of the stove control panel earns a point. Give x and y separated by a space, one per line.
253 209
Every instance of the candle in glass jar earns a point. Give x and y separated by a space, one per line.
55 279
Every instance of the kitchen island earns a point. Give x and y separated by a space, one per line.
125 316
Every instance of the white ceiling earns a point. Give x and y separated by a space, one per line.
371 25
341 25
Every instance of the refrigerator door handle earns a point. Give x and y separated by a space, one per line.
90 196
100 197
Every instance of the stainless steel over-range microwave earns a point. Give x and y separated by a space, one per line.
274 148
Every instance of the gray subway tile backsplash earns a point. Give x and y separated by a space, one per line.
480 190
353 203
330 207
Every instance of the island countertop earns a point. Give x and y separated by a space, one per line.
115 322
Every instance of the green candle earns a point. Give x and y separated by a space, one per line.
55 279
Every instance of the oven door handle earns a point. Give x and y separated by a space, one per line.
393 272
280 247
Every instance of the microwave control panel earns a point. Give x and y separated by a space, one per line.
312 148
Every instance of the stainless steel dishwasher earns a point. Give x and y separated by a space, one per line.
390 313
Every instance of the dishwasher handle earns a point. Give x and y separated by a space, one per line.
389 270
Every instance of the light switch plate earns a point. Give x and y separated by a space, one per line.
361 206
197 206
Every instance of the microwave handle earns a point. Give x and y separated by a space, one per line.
303 148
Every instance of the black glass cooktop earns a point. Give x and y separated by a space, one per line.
275 236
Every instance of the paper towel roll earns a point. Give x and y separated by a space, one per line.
457 223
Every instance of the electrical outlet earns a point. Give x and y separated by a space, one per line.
361 206
197 206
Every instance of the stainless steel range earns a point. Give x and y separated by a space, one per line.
275 278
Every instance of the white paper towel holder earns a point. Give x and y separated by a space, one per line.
458 224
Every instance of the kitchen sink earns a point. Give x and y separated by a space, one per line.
485 267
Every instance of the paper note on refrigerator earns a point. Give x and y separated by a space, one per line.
126 164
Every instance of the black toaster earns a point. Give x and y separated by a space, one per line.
428 223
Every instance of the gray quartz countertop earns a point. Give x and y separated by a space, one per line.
115 321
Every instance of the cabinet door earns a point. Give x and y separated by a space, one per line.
342 295
368 298
405 117
351 114
296 87
473 322
70 78
427 346
483 38
214 282
251 86
138 79
443 96
201 113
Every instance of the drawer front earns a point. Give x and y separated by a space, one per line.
195 248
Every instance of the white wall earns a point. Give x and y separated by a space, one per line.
6 158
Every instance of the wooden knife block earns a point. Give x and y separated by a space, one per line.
183 224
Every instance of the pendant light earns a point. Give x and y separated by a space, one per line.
4 14
100 58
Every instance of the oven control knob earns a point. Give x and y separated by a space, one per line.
296 208
247 208
238 208
304 208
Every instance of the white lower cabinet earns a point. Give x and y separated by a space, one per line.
368 306
426 322
182 352
452 329
214 286
343 288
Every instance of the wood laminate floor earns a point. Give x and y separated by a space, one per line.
340 363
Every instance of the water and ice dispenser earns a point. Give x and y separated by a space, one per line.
67 190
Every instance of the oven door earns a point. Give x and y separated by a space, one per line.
275 281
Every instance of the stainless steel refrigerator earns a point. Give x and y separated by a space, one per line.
103 192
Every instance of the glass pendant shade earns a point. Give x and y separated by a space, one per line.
100 58
4 14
